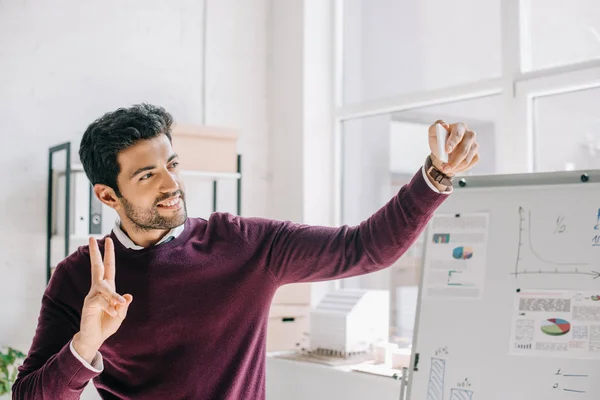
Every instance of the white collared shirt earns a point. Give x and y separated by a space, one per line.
128 243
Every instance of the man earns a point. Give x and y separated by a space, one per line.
185 317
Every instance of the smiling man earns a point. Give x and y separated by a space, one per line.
171 307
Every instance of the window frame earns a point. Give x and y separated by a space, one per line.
515 152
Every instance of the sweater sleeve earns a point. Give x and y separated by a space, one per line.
301 253
51 370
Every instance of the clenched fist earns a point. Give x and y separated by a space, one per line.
461 146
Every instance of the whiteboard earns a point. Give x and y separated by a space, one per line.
526 325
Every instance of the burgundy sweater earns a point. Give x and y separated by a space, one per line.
197 326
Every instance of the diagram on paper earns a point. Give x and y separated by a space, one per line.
557 323
456 256
553 243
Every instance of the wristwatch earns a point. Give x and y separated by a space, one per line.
436 174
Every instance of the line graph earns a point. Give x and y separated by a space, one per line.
593 274
550 266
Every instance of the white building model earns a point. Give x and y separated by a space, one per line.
350 321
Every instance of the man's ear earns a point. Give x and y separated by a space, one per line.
106 195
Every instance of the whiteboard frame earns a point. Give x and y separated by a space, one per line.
527 179
490 182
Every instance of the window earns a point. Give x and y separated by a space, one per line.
393 47
383 152
566 131
480 114
527 79
558 32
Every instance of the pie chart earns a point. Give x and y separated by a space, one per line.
462 253
556 327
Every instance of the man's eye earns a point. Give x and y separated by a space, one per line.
145 177
175 165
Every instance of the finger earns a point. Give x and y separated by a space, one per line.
432 131
457 132
108 292
109 259
122 308
468 161
473 162
100 302
96 261
461 151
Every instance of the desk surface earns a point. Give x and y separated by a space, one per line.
300 380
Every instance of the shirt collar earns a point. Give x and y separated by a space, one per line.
128 243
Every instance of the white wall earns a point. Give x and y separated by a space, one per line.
66 63
300 99
285 101
236 49
318 112
63 64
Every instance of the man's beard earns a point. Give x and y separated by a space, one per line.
147 220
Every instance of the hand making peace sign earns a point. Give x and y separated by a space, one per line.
103 309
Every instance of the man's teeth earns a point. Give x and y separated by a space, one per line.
170 203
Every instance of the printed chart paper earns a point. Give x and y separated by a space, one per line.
456 256
557 323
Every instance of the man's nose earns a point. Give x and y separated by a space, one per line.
169 182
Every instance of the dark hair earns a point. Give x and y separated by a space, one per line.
116 131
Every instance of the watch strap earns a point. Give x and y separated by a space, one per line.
436 174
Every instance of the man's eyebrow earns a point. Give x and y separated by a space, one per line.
149 167
140 170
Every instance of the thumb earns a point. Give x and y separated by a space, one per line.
122 308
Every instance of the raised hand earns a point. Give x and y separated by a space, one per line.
103 308
461 146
